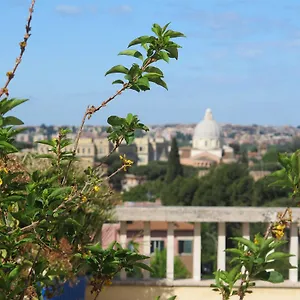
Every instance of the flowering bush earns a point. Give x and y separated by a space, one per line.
258 258
48 217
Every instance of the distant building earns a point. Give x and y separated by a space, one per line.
208 146
146 149
130 181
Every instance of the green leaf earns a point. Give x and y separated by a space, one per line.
272 276
48 156
158 81
117 69
95 248
141 40
143 83
235 251
50 143
278 256
246 242
118 81
152 75
165 27
157 29
7 105
60 192
12 121
143 266
8 147
173 34
151 69
72 222
164 55
14 273
129 118
173 52
115 121
133 53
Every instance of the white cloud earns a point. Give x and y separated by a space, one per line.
68 9
122 9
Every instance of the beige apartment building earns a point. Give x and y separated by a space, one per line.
142 151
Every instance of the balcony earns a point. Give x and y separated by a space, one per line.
187 288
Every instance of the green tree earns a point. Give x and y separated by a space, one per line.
149 191
158 264
174 167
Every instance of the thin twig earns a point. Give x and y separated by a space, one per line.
23 44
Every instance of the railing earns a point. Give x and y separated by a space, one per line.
198 215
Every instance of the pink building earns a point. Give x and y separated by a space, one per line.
183 238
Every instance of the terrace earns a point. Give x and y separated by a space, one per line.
196 287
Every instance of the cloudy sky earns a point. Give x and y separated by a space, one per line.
241 58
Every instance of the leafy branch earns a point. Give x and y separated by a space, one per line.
138 77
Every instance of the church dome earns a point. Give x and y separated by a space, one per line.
208 128
208 133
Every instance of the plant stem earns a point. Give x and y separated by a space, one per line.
23 44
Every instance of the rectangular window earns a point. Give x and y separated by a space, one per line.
185 247
157 245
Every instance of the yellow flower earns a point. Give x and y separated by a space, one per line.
126 162
96 188
83 198
278 230
66 198
1 182
107 282
256 242
4 170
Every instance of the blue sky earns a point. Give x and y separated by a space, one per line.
241 58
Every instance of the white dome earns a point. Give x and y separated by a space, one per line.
208 133
208 128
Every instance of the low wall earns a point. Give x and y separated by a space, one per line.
188 293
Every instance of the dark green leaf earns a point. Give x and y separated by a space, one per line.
115 121
272 276
151 69
173 52
141 40
278 255
12 121
117 69
118 81
246 242
159 81
133 53
173 34
8 147
143 83
143 266
7 105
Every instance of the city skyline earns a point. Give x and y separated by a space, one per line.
239 58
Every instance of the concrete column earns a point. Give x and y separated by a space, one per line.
246 231
147 245
294 244
170 251
123 242
197 252
221 246
246 235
